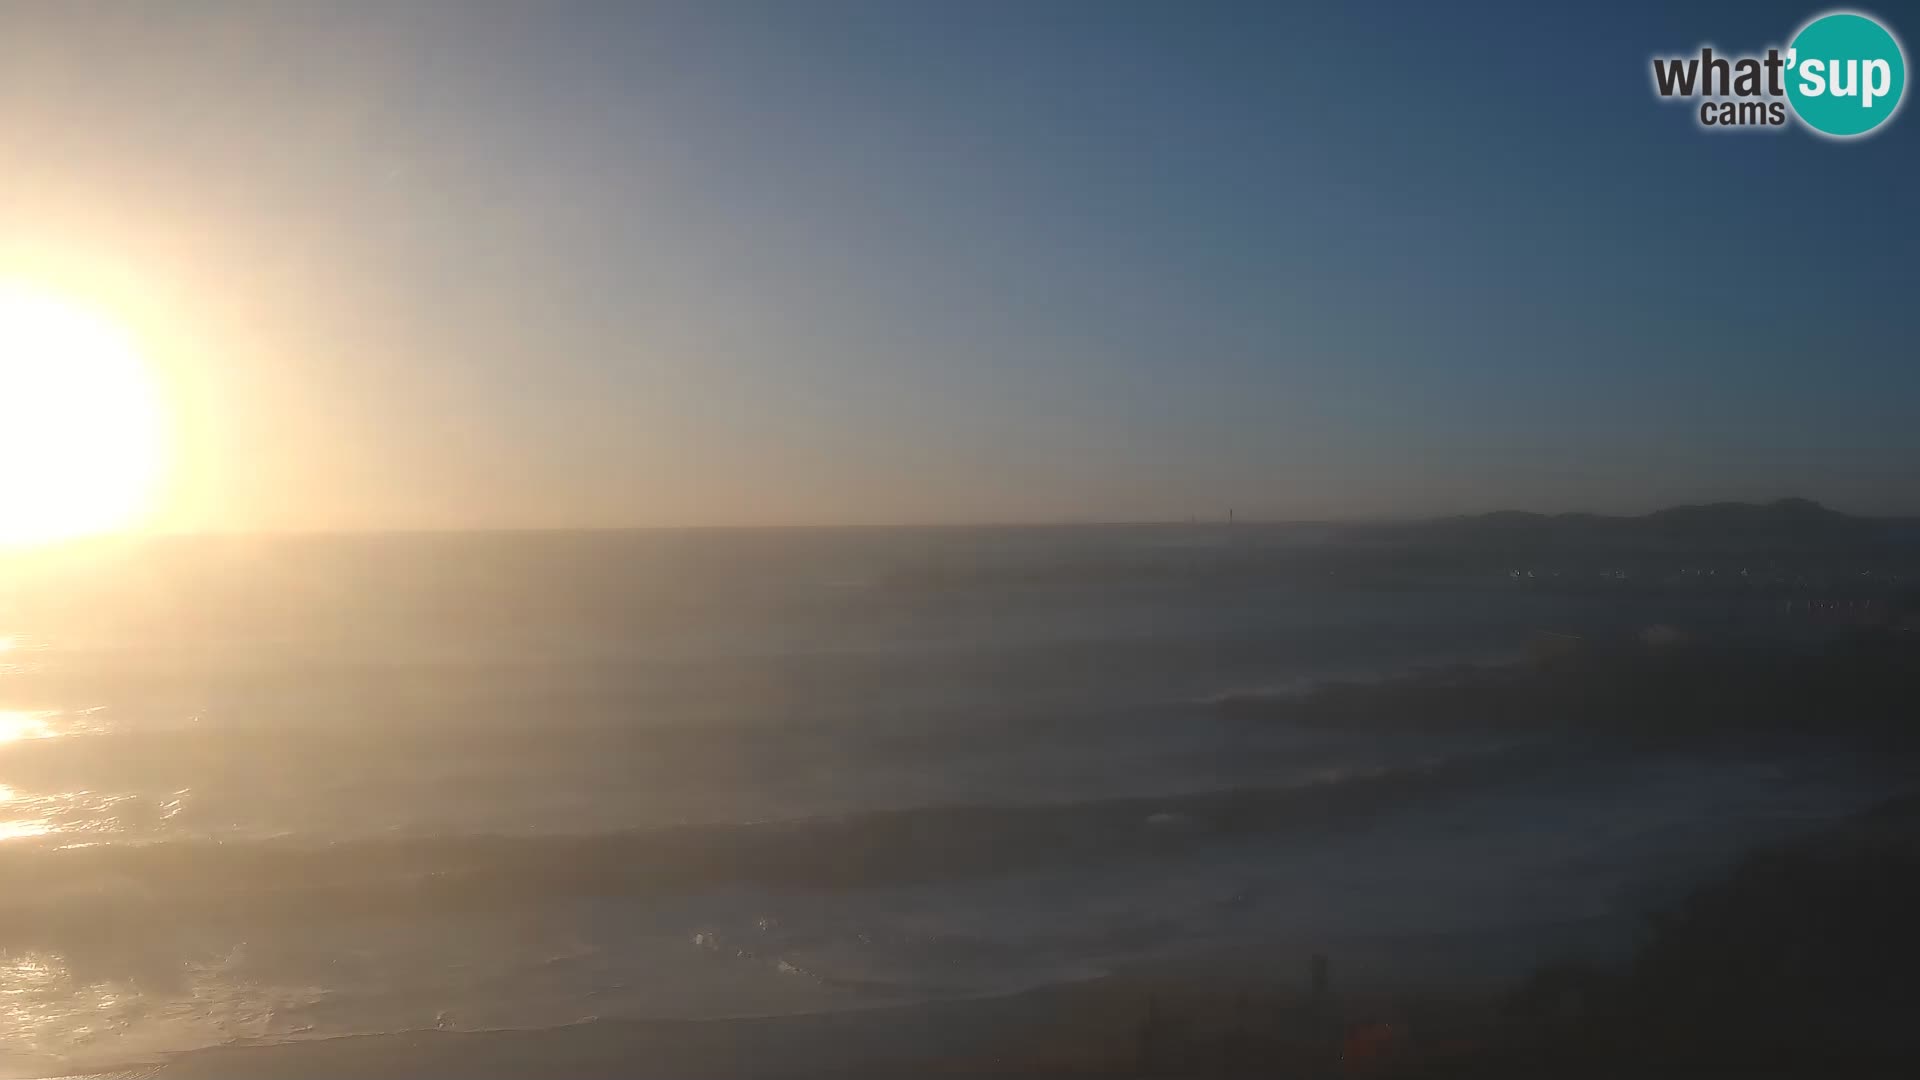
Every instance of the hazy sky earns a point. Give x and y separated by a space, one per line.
408 264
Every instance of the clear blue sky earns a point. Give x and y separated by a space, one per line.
551 264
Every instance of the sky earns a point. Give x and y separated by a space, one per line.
474 264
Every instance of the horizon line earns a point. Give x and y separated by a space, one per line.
1014 523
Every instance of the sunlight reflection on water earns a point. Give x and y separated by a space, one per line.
27 725
19 655
24 829
68 813
63 1016
13 830
17 725
26 814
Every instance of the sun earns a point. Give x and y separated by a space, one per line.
81 439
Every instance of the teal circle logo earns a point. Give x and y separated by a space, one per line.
1845 74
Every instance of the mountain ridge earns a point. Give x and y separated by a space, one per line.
1785 522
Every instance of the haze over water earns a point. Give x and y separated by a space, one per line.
356 784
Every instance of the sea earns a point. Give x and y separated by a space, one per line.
262 789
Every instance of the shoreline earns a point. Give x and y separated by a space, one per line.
1702 988
1203 1003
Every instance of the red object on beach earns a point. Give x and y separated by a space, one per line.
1368 1047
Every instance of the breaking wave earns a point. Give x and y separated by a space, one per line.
88 887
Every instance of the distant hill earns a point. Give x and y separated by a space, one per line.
1784 523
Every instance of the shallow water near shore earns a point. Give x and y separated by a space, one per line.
284 789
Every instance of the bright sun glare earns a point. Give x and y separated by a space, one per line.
80 421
